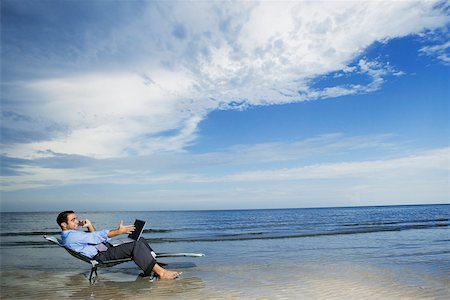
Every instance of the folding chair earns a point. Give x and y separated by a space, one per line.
109 263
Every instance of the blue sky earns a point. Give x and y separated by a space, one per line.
128 105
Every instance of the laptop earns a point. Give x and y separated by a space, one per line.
134 236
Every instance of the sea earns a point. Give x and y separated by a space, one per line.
380 252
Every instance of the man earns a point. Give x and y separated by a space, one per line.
93 244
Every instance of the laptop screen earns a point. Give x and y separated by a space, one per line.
136 234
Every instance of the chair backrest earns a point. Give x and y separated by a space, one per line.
93 262
54 240
58 242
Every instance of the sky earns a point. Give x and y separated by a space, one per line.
186 105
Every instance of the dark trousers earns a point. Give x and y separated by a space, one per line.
139 251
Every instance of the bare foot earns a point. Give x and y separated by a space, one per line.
165 274
169 275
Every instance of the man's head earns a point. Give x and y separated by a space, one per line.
67 220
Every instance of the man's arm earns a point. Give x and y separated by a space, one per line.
77 238
121 230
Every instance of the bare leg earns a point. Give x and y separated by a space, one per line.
165 274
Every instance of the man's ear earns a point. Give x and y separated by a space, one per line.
63 225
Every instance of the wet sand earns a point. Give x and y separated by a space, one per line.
290 281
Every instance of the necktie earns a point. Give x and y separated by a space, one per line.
101 247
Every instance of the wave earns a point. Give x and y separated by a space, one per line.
245 233
284 225
396 222
31 244
30 233
237 236
258 236
33 233
157 230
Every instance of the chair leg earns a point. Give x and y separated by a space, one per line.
92 278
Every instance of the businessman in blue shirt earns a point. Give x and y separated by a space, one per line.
94 244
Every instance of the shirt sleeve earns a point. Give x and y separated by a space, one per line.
86 238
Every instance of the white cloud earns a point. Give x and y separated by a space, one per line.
416 178
107 114
410 166
39 177
440 51
336 153
186 59
420 178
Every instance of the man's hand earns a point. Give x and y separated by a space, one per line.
87 224
125 229
121 230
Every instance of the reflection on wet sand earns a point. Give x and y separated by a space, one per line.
287 281
141 288
45 285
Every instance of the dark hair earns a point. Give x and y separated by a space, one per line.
62 217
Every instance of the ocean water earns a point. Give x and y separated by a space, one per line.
391 252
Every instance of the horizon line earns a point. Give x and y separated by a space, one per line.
234 209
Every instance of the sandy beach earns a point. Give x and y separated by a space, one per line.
234 282
354 253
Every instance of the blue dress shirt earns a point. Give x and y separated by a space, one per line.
84 242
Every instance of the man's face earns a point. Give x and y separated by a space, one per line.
72 222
